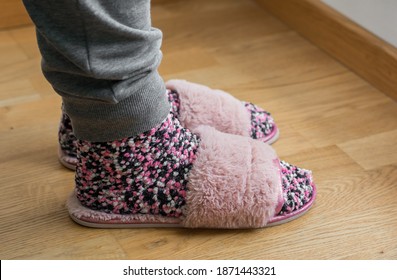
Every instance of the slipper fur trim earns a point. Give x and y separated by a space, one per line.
234 183
201 105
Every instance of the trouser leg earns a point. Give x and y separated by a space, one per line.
102 57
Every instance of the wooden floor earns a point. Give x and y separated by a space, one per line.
331 121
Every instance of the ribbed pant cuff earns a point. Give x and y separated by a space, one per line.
98 121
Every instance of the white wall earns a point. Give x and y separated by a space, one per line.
377 16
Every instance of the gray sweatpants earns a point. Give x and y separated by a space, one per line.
102 57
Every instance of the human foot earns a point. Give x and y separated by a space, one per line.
170 176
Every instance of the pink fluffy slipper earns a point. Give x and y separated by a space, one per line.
200 105
170 177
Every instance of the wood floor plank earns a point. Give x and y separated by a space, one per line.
10 52
322 160
188 60
25 37
349 126
184 30
373 151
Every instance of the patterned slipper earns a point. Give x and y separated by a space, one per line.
172 177
194 105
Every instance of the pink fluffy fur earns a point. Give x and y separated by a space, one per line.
203 105
235 182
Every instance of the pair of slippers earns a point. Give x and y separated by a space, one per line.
235 179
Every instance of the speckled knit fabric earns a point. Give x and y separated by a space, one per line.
146 174
66 138
262 123
173 98
297 187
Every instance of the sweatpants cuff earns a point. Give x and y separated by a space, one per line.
98 121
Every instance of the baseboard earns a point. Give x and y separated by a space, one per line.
367 55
